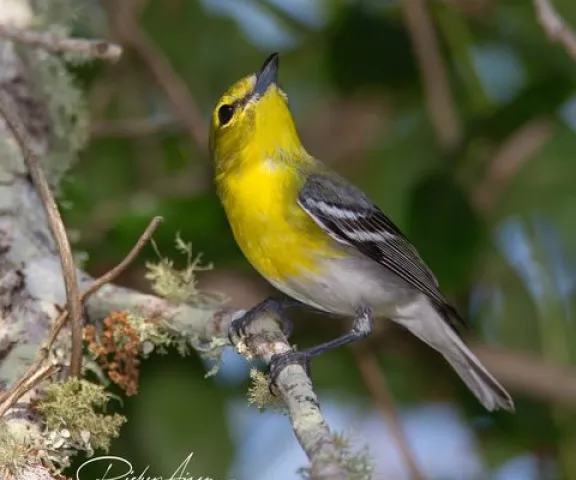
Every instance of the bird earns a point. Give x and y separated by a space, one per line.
320 241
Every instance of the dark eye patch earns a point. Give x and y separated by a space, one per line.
225 114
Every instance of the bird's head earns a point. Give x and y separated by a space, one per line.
252 121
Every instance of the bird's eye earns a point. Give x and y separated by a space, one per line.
225 113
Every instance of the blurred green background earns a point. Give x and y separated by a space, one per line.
471 152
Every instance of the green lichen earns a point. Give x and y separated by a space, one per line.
260 396
56 15
15 450
156 335
74 407
66 106
54 87
181 285
211 352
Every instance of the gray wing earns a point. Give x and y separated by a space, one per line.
349 217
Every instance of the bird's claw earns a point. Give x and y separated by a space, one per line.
280 361
239 326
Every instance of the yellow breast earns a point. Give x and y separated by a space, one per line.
274 233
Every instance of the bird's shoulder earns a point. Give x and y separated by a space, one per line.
325 190
323 182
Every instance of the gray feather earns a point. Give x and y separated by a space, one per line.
421 319
349 217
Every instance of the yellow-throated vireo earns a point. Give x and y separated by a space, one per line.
319 239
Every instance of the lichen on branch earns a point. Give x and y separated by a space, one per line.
181 285
74 411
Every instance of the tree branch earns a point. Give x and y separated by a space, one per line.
53 43
433 70
510 157
35 375
530 374
555 27
295 387
264 339
8 110
376 384
27 382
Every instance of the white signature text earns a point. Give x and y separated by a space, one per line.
118 468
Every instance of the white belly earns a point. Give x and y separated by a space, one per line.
346 283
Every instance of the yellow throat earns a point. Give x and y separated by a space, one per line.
260 167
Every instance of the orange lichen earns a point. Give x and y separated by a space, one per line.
117 350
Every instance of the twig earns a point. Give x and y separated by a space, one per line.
514 152
124 16
61 320
265 339
110 275
555 27
530 374
137 127
56 225
30 371
439 99
37 376
53 43
376 384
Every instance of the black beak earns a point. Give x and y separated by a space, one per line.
267 75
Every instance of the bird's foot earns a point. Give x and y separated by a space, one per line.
273 305
280 361
239 325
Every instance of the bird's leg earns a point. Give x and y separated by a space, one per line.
276 305
363 324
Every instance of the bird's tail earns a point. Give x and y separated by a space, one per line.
437 333
486 388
